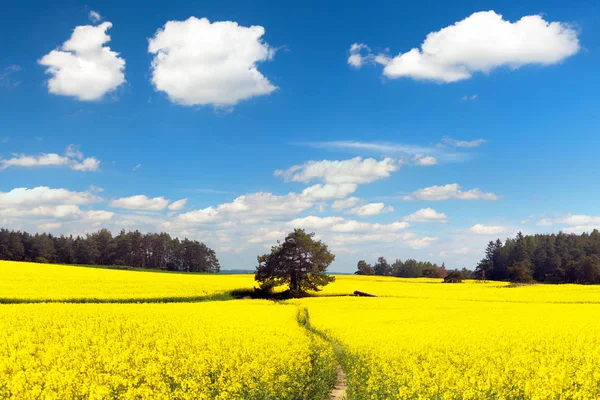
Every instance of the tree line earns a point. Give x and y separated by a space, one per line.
549 258
409 268
132 249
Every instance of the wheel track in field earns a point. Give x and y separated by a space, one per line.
338 391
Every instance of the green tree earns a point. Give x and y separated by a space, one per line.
382 267
364 268
300 262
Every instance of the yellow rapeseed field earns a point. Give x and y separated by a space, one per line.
47 282
210 350
535 342
420 339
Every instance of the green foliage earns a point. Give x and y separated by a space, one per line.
41 260
520 272
454 277
300 262
407 269
549 258
364 268
133 249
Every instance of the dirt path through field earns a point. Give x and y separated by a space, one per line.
339 390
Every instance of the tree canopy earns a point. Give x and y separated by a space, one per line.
131 249
550 258
299 261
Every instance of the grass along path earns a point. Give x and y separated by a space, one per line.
338 390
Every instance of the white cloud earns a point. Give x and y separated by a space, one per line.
70 159
266 205
480 229
359 55
449 191
545 222
89 164
463 143
43 195
99 215
51 211
420 243
140 202
458 51
73 152
96 189
138 166
576 223
426 215
264 235
94 16
83 67
459 251
313 222
50 226
201 216
343 204
371 209
178 205
424 161
199 63
328 191
354 171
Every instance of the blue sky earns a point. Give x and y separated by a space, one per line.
497 103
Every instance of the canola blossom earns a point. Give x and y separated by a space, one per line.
420 339
217 350
399 348
48 282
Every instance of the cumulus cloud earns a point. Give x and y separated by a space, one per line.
420 243
178 205
356 226
371 209
313 222
73 158
83 67
140 202
458 51
265 235
353 171
43 195
99 215
462 143
360 54
264 204
201 216
449 191
329 191
52 211
459 251
480 229
575 223
426 215
424 161
197 62
343 204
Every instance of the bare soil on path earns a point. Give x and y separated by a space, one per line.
339 390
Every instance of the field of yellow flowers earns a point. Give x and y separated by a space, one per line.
27 282
420 339
210 350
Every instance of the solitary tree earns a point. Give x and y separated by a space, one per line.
300 262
